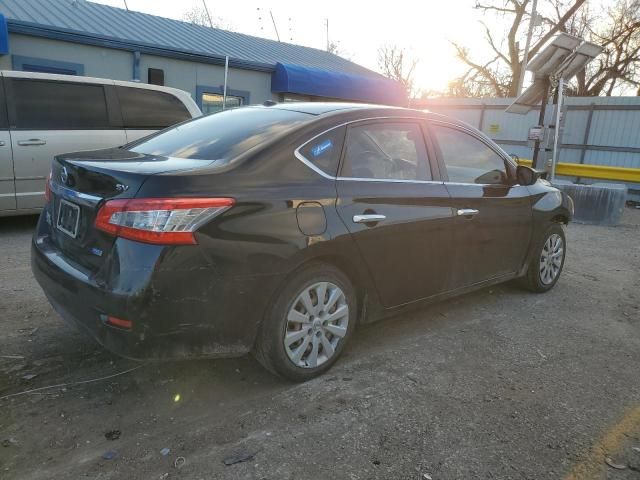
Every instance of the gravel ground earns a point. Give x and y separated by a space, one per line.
498 384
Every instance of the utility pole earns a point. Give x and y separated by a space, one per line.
273 20
525 55
204 4
326 24
226 78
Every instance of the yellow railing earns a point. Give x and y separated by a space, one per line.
602 172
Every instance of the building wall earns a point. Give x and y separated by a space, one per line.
98 62
119 65
189 75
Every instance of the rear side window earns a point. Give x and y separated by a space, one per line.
50 105
221 136
386 151
150 109
324 151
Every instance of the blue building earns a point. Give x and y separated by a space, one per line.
78 37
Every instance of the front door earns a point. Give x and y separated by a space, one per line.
493 214
398 216
7 185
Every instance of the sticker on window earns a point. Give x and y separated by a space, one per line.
322 148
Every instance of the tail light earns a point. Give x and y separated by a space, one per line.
162 221
119 322
47 188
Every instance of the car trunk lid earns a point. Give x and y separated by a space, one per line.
80 184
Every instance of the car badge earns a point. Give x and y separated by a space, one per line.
64 175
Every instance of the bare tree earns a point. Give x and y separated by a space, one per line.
618 31
618 66
198 16
334 47
395 64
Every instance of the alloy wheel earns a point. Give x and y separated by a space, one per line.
316 323
551 259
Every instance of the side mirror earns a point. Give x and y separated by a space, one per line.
526 175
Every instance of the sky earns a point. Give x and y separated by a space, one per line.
424 28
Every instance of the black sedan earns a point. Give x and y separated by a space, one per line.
277 229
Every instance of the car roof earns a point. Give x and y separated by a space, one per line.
342 108
321 108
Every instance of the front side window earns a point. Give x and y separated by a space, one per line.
324 150
51 105
467 159
222 136
387 151
150 109
212 102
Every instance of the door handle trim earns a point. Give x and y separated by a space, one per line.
31 142
368 218
467 212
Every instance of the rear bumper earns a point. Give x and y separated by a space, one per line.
181 306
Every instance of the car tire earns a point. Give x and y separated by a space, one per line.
547 261
303 335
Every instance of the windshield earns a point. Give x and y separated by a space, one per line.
221 136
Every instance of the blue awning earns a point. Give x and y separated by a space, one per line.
345 86
4 36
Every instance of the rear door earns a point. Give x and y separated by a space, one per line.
146 111
51 117
7 185
397 213
493 214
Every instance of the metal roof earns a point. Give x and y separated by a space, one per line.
82 21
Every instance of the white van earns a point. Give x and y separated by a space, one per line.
43 115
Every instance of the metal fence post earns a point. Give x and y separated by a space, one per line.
585 139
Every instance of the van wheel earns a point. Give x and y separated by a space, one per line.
309 325
547 261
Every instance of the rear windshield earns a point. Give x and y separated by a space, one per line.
220 136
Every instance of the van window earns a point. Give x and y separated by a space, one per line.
4 124
150 109
52 105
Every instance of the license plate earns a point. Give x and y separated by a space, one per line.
68 218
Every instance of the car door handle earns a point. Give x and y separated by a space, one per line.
2 144
369 218
467 212
31 142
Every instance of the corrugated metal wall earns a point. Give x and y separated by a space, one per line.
596 130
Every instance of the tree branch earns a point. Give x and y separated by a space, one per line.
557 27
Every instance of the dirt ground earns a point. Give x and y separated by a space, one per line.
498 384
